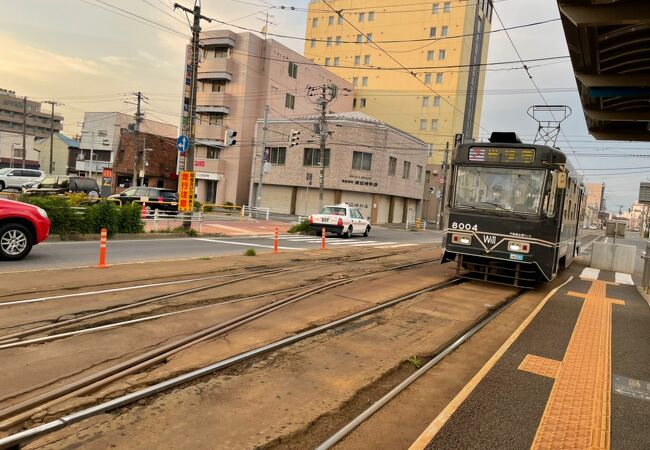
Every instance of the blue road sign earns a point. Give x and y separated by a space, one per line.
182 143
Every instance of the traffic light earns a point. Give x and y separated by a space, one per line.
294 138
229 138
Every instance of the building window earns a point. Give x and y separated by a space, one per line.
357 60
330 20
364 81
355 82
314 22
445 31
442 54
213 153
425 101
432 32
435 8
290 101
362 16
329 41
354 103
438 78
427 177
430 55
366 60
371 16
215 52
430 151
336 60
434 124
327 61
418 176
278 156
293 69
447 7
312 43
359 38
338 40
368 37
214 86
340 20
436 100
362 103
407 170
311 157
361 161
427 78
423 124
392 166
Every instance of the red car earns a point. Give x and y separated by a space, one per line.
21 226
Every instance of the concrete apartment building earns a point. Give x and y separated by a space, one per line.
38 121
240 73
595 212
11 153
101 134
443 100
368 164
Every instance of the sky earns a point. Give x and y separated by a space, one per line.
91 57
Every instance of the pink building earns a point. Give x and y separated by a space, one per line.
240 73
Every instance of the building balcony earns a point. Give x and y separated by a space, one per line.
216 69
87 166
213 102
209 132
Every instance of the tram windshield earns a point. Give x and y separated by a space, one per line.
498 188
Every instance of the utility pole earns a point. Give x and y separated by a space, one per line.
24 130
327 94
139 116
444 184
195 44
53 103
258 198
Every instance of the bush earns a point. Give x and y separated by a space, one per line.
64 220
250 252
103 215
302 228
131 219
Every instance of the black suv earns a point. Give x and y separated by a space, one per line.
153 198
63 184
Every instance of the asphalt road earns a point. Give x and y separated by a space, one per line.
50 255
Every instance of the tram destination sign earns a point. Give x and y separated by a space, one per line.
502 155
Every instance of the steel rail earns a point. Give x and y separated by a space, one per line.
147 359
27 435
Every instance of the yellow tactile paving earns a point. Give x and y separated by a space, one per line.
577 414
540 366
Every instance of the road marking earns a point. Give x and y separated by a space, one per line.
589 273
606 239
218 241
624 278
353 242
430 432
398 245
578 411
369 243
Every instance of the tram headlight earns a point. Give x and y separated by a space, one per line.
518 246
462 239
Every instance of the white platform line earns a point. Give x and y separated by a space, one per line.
624 278
590 273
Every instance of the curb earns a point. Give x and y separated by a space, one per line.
127 237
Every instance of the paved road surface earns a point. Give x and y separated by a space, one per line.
78 254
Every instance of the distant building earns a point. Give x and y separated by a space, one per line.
382 175
11 151
156 169
63 146
239 73
595 211
101 134
38 121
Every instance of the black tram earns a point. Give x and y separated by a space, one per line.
514 211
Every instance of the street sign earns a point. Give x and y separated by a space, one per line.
267 167
107 181
182 143
441 180
186 191
458 139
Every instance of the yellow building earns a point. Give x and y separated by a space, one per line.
442 43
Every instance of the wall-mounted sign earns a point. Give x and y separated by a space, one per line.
186 191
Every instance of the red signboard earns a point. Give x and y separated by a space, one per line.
186 191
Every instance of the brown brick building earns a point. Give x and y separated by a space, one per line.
157 167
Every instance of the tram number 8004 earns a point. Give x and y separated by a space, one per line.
464 226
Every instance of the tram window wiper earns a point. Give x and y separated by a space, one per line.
502 208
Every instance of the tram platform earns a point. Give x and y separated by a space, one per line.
574 375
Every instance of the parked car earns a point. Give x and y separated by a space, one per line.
153 198
340 219
63 184
11 178
21 226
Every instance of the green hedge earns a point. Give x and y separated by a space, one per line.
104 214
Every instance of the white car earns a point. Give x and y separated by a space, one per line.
341 219
12 178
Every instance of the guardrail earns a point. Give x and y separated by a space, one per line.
417 224
213 208
253 210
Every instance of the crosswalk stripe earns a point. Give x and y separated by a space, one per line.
590 273
624 278
402 245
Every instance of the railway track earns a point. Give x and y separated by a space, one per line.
18 413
